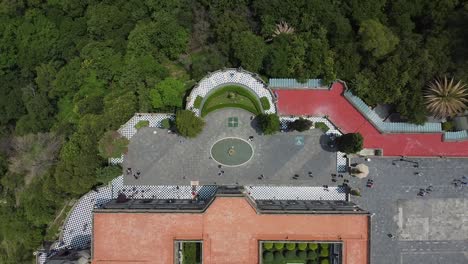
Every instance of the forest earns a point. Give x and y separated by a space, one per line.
72 70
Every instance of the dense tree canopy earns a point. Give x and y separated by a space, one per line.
79 68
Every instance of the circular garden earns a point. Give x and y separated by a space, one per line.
231 151
302 252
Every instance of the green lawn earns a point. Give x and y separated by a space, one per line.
231 96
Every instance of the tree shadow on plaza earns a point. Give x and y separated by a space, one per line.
327 143
255 126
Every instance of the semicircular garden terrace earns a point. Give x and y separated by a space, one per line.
231 88
237 96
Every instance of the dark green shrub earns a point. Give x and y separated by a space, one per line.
313 246
198 102
324 261
268 246
324 252
322 126
301 124
166 123
302 255
290 246
312 255
265 103
268 256
142 123
278 257
279 246
302 246
448 126
268 123
188 124
350 143
291 255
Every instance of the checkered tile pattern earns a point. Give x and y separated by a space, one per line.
41 257
231 76
341 160
296 193
128 129
160 191
77 230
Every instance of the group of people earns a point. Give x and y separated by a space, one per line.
425 191
460 182
135 175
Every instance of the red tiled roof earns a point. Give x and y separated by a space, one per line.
348 119
230 230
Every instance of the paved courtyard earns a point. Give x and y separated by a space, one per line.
166 159
430 229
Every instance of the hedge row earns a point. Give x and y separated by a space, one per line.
293 256
265 103
292 246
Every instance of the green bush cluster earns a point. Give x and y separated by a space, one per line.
295 252
268 123
448 126
188 124
301 124
198 102
268 245
265 103
166 123
142 123
350 143
322 126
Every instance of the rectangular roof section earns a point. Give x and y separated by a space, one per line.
294 84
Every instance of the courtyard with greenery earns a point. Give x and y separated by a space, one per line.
71 71
301 252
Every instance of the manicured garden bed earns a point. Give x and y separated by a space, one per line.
290 252
231 96
191 253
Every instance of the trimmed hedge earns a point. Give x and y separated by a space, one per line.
302 255
268 246
324 252
313 246
312 255
324 261
324 245
290 255
290 246
302 246
279 246
198 102
141 123
268 256
278 256
322 126
265 103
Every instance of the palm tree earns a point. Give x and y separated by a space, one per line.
446 98
283 28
